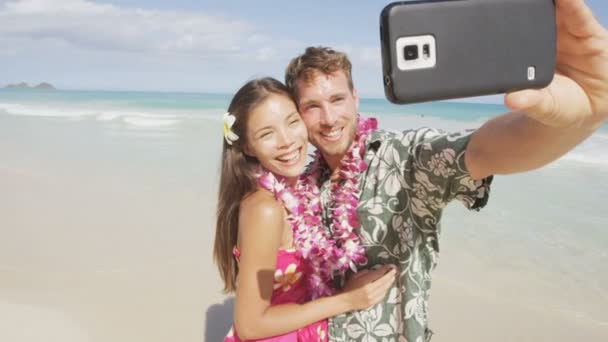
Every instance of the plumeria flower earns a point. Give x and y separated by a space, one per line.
321 333
288 279
229 135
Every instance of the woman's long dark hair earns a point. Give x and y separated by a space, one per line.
237 178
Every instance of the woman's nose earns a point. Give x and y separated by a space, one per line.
284 139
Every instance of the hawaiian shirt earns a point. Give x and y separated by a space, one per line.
411 177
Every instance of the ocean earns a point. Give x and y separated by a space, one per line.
106 217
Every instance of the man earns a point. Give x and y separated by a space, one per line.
411 176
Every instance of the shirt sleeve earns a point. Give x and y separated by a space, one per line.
434 168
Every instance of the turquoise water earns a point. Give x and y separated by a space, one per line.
138 100
150 112
446 110
43 102
193 102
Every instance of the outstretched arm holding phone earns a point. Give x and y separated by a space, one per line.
547 123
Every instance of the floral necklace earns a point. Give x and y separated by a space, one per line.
327 256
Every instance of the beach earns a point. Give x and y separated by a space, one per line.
107 207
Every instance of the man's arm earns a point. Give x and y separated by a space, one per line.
514 142
547 123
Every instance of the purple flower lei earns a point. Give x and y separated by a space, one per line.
327 256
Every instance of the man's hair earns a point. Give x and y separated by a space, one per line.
316 60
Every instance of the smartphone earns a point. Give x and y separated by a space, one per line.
445 49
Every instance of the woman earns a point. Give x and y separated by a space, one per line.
263 155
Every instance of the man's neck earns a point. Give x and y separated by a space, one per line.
334 164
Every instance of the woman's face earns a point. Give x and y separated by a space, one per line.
276 136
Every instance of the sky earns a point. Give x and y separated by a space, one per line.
185 45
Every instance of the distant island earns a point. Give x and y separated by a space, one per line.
23 85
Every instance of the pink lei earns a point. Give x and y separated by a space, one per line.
327 256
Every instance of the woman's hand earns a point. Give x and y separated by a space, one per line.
368 287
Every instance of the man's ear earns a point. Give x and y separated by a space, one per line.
356 100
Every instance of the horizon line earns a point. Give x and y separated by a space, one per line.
221 92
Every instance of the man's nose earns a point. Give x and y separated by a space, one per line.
328 116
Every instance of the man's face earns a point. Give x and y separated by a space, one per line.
329 110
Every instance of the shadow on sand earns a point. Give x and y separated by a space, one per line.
219 320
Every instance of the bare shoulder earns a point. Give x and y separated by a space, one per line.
261 207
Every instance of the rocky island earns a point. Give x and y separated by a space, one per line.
23 85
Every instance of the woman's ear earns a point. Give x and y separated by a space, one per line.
247 150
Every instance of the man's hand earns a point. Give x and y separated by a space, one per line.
578 95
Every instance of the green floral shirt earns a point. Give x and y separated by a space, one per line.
411 177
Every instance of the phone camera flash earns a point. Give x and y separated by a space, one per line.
531 73
426 51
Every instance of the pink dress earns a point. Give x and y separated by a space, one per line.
289 287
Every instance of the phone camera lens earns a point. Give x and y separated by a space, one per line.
410 52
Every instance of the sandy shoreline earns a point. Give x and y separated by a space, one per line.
185 306
460 314
120 306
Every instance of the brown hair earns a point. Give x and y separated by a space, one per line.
314 60
237 178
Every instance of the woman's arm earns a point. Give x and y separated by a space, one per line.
261 225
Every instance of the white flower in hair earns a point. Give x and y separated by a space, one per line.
229 135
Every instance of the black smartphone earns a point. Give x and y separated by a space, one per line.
445 49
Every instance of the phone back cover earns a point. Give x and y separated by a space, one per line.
483 47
